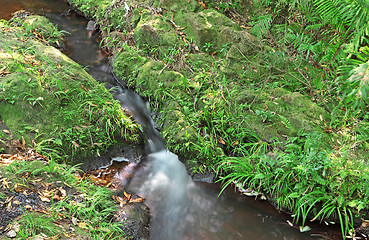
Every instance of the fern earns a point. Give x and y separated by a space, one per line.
350 14
354 82
262 25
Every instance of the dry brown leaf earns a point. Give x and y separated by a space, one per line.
6 131
91 104
75 144
137 200
18 188
63 192
28 207
84 88
23 142
44 199
68 236
221 141
53 237
47 193
235 143
5 183
202 5
82 225
128 196
120 200
97 180
56 197
365 223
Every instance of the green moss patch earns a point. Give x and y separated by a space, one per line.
47 99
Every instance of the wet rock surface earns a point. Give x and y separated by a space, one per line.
136 218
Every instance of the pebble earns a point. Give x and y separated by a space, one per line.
11 234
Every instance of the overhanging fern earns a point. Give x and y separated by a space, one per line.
346 14
354 81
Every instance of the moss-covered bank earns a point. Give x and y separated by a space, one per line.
48 101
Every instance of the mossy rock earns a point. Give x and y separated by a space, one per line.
177 5
207 27
155 34
38 27
127 64
278 114
200 61
154 80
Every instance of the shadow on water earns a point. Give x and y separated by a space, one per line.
180 207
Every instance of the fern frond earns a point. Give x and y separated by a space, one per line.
349 14
262 25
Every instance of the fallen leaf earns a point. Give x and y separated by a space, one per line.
82 225
44 199
46 193
6 131
97 180
28 207
365 223
63 192
5 183
84 88
74 221
75 144
18 188
235 143
120 200
67 235
221 141
137 200
56 197
91 104
53 237
128 196
202 5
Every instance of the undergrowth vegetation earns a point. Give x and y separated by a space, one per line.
308 179
69 205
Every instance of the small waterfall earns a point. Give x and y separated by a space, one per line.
134 103
180 208
165 183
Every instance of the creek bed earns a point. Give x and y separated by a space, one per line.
208 216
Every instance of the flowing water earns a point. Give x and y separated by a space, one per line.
180 207
183 209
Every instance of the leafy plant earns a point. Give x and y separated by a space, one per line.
303 180
354 82
350 14
34 224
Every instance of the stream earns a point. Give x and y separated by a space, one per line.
181 208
